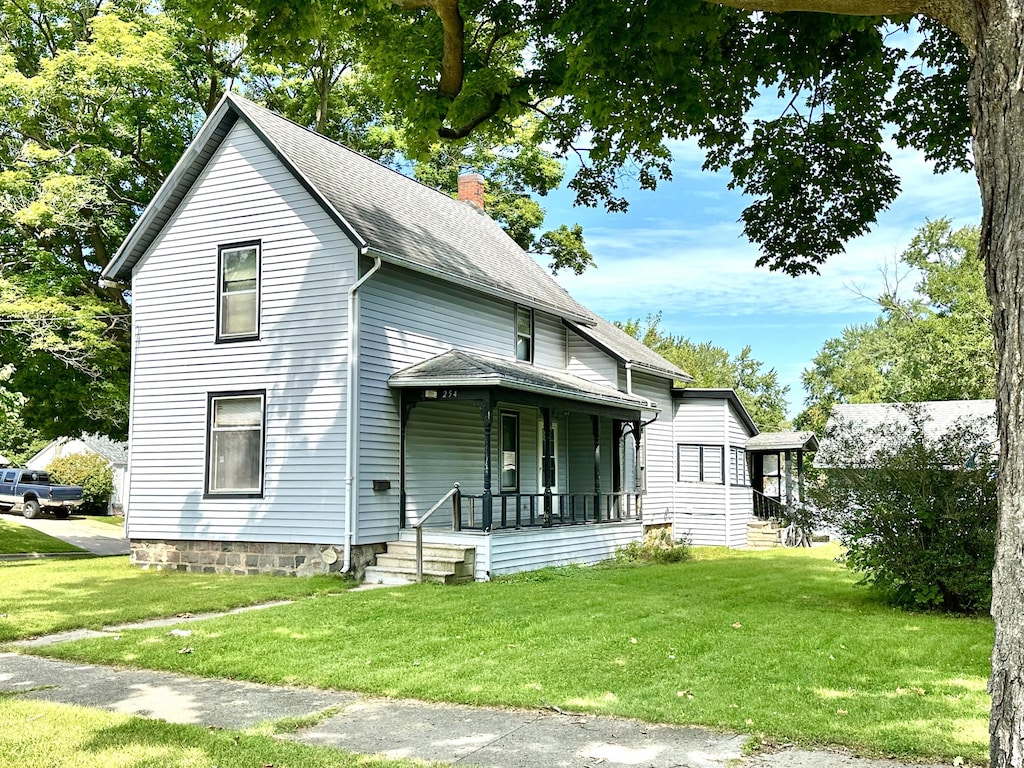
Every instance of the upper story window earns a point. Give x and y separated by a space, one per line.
524 334
239 292
235 444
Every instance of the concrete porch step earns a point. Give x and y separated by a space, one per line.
442 563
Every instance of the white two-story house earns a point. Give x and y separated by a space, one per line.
323 348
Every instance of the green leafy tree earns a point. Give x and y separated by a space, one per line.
711 366
936 344
93 115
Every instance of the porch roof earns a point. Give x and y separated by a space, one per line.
456 368
783 441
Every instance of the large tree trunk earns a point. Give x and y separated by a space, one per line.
997 105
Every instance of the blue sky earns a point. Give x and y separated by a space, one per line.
680 251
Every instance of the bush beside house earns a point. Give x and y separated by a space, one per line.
92 472
914 504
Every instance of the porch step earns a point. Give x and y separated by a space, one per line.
763 534
442 563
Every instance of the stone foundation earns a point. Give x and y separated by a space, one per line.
250 558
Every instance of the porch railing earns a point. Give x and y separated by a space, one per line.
767 508
452 494
540 510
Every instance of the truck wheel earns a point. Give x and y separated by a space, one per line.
30 509
62 514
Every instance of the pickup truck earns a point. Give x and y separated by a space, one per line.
29 491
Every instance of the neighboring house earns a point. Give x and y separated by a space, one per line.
323 347
114 452
712 483
879 418
4 461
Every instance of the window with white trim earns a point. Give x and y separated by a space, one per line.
701 464
509 440
238 309
739 472
235 444
524 334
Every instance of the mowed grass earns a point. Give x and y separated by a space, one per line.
46 735
16 539
44 596
781 644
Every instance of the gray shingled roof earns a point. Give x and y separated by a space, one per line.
398 218
114 451
624 347
783 441
942 416
456 368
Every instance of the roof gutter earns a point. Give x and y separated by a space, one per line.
351 409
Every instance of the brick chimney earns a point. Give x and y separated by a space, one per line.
471 189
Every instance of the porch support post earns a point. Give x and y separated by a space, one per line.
487 414
800 476
640 480
789 479
595 422
406 411
547 464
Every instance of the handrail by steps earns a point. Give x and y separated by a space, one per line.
419 527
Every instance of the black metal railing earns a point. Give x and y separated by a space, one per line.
768 508
540 510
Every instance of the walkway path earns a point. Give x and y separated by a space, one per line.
91 535
449 733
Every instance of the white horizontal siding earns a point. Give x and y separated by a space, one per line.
590 363
307 263
515 551
699 421
660 442
549 341
407 318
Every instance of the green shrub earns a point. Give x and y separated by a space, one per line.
656 547
89 470
916 512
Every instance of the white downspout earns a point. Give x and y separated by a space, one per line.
352 408
629 378
727 472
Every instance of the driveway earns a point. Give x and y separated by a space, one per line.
91 535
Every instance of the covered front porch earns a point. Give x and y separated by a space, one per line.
493 447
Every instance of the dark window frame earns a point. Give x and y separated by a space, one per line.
531 337
223 338
701 474
211 397
514 415
738 460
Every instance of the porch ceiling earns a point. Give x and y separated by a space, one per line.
456 369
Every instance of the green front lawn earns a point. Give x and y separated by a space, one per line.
17 539
46 735
44 596
778 643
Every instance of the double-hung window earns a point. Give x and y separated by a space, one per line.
701 464
739 474
524 334
235 443
238 292
509 439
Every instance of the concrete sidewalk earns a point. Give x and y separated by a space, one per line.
92 536
459 735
